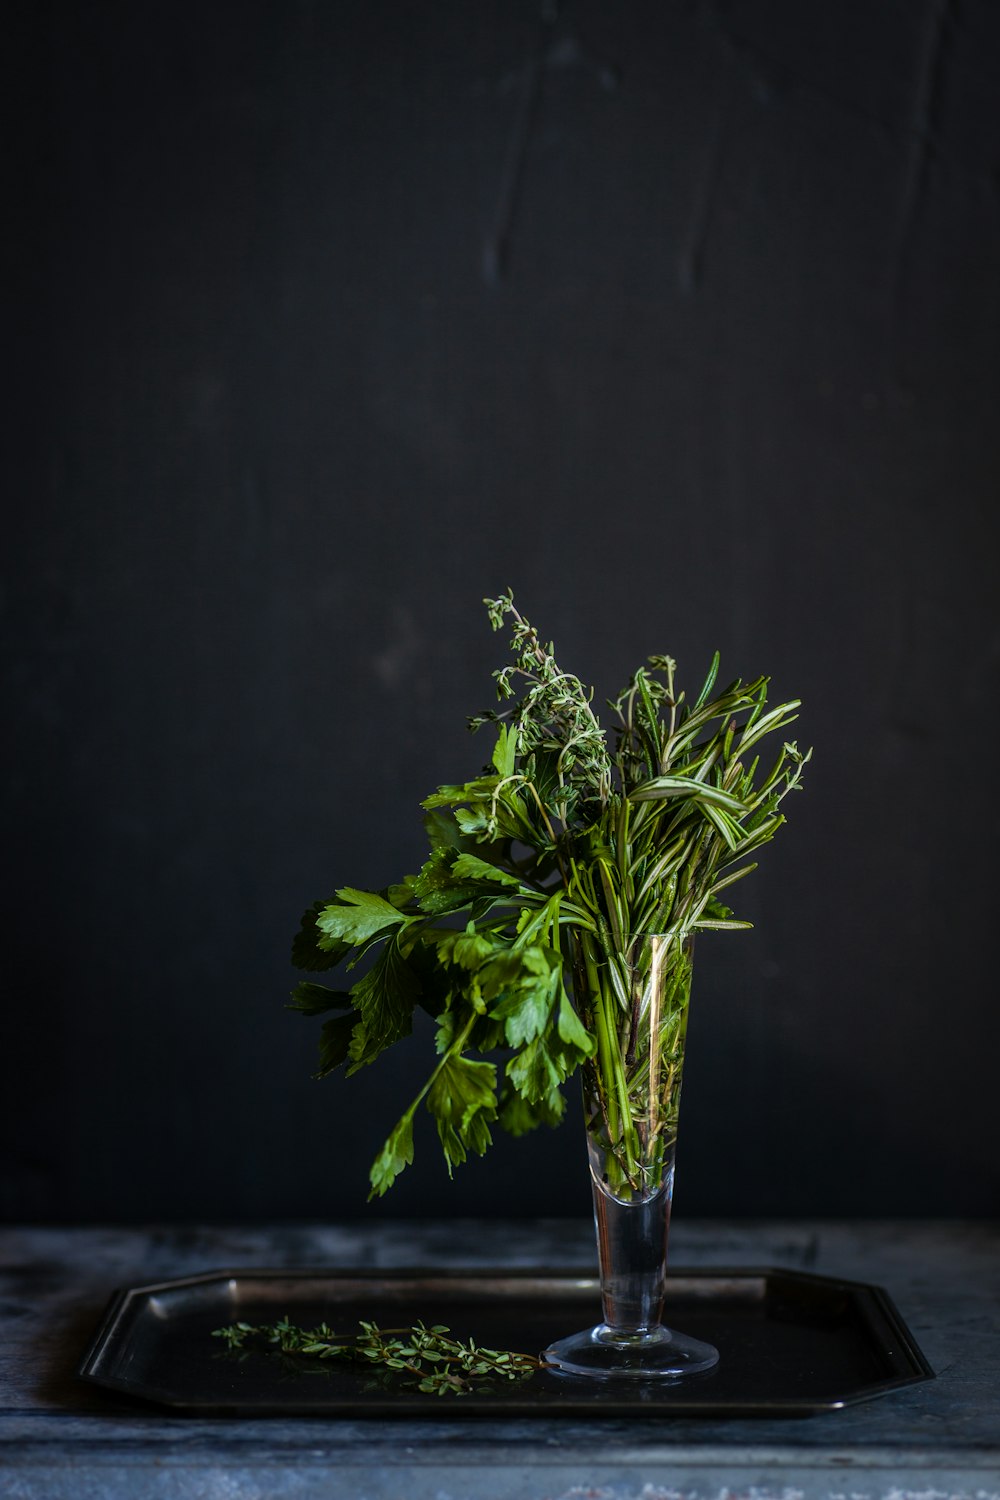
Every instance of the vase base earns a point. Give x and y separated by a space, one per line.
606 1354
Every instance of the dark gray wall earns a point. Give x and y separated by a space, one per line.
283 419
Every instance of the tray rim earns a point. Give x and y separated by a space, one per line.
876 1299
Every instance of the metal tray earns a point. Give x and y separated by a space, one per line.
790 1343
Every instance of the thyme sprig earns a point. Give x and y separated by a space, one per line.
564 846
436 1364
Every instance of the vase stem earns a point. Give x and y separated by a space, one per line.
632 1342
632 1248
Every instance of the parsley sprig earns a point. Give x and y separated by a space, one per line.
561 849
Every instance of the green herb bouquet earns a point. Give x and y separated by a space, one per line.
550 928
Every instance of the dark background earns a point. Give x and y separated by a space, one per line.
329 319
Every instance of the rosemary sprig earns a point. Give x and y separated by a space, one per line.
438 1365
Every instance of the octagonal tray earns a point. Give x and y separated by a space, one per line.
790 1343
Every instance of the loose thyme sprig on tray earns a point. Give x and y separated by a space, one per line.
438 1365
560 836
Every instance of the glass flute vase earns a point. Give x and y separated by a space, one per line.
633 999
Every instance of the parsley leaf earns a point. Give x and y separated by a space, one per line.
470 867
540 1067
517 1117
385 998
335 1041
462 1099
524 983
505 750
356 916
438 890
311 950
314 999
396 1154
572 1030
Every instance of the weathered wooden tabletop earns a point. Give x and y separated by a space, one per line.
61 1437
